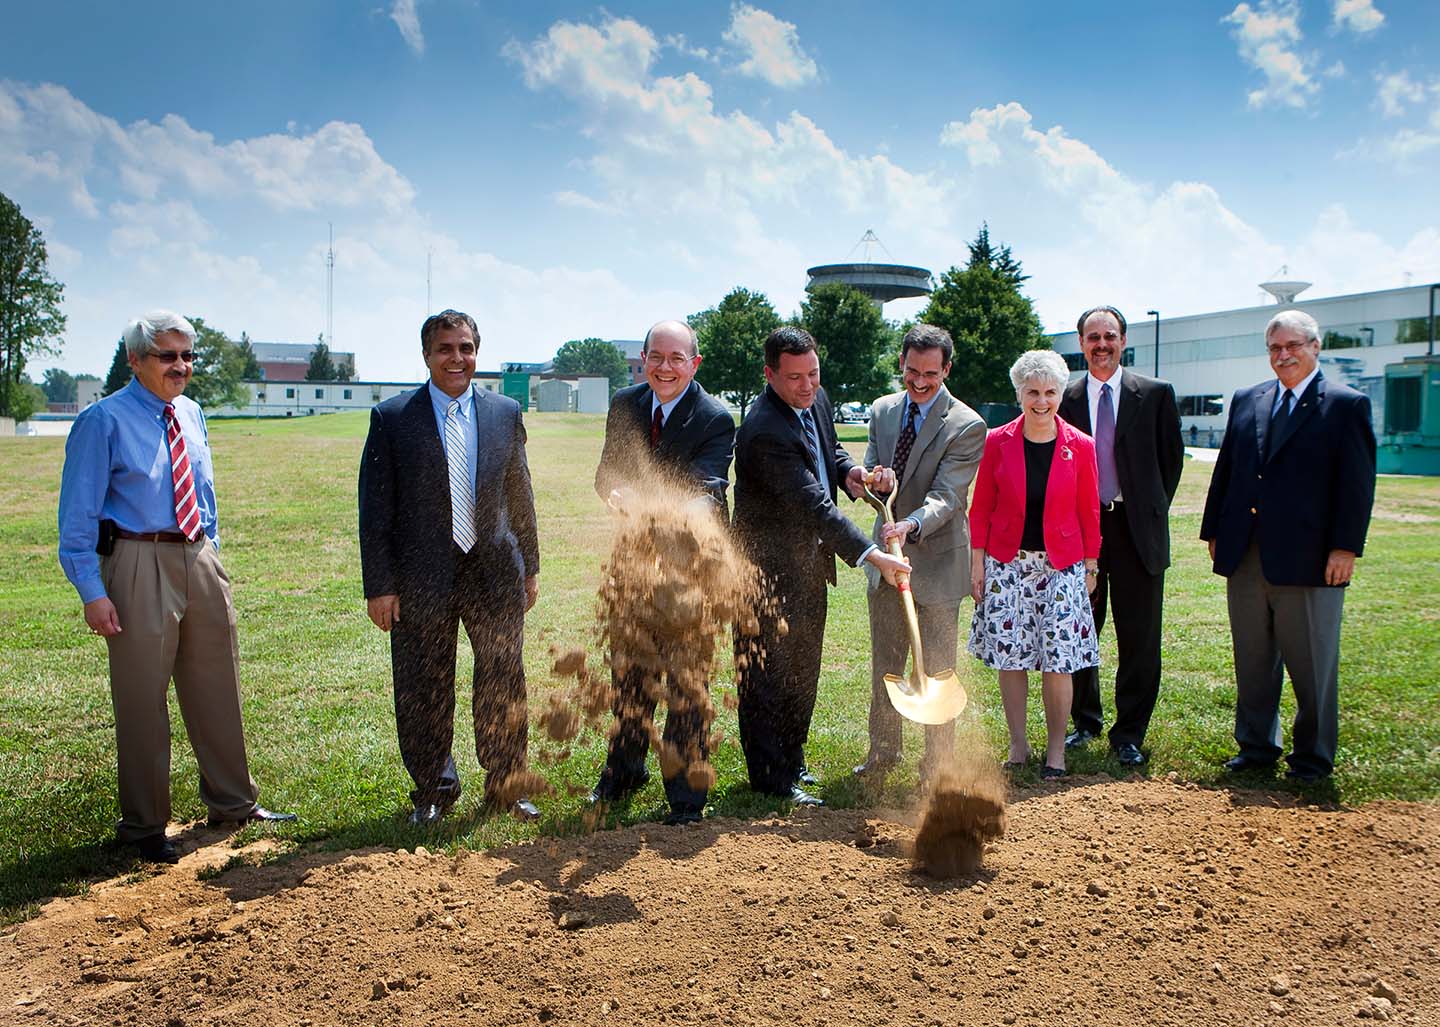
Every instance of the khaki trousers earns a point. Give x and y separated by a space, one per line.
890 650
176 620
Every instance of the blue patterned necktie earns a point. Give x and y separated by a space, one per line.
812 436
1105 447
462 497
1279 422
905 442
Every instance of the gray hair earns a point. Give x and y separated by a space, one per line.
140 333
1296 321
1044 364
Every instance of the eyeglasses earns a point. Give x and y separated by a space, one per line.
675 360
1292 348
169 356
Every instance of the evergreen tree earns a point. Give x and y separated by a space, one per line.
119 374
988 318
250 371
322 366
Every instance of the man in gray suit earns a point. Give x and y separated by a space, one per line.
933 442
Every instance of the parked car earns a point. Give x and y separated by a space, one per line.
852 413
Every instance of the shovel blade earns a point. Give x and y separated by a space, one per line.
939 700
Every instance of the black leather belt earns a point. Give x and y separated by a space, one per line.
153 536
1112 506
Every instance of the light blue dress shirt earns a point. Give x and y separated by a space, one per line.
467 425
669 408
117 467
922 411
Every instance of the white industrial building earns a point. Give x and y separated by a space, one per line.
1209 356
586 394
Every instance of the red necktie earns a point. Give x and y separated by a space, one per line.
656 425
187 510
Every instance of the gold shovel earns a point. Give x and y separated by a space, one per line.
923 699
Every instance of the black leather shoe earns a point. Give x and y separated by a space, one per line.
806 778
426 815
1305 777
801 797
608 792
874 765
1129 755
156 848
524 809
1079 737
1049 773
1244 764
679 818
258 815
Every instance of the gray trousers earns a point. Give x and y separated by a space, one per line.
1275 628
890 650
176 620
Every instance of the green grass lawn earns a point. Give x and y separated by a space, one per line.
316 675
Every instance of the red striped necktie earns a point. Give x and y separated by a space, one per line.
187 510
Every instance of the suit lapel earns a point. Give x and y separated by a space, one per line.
1304 409
429 450
680 415
934 420
1129 407
1264 402
1079 403
789 418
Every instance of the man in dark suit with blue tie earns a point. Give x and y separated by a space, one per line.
788 465
1286 517
447 537
669 424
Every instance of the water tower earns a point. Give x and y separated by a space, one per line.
881 282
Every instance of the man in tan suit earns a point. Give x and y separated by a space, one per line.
933 442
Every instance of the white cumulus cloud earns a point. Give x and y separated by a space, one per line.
1395 91
771 47
407 20
1267 35
1359 16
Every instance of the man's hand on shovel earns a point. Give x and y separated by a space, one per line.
890 567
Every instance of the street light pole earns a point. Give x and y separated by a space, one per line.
1156 315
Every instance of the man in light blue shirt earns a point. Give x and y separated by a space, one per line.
138 540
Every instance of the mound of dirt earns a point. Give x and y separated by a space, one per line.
1105 902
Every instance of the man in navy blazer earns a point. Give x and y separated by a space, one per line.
668 422
788 465
1286 517
447 537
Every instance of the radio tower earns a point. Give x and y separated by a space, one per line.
330 290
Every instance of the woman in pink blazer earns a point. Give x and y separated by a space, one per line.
1035 543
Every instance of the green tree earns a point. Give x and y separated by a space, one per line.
856 362
30 319
345 369
218 366
322 366
732 341
594 356
60 386
1001 260
988 318
119 374
250 372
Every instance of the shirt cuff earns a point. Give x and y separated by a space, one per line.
872 547
90 589
914 534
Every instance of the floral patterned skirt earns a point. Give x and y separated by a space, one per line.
1034 617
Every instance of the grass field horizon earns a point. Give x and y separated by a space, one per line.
316 674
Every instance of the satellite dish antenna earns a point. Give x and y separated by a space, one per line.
1283 288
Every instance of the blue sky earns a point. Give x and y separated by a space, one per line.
578 170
